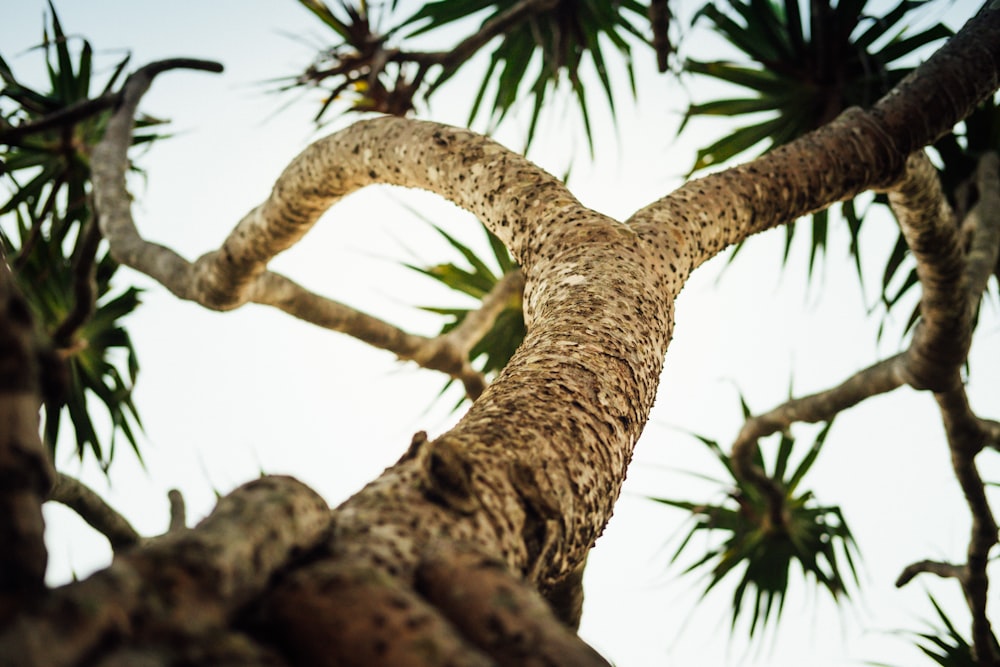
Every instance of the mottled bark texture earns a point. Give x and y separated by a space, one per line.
25 471
440 560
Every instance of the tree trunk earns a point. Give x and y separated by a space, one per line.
440 560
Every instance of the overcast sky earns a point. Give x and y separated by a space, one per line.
226 396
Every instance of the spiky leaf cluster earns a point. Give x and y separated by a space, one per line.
50 239
747 546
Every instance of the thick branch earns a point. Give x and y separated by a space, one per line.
26 473
199 577
91 507
943 335
858 151
331 168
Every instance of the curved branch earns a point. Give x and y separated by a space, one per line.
857 151
943 570
879 378
943 335
414 154
80 498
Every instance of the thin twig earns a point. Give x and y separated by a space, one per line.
943 570
879 378
67 116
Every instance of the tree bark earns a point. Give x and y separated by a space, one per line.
439 560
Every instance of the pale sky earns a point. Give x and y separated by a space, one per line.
226 396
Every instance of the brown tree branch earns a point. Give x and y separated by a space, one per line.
965 438
858 151
236 273
26 473
68 116
879 378
95 511
204 576
943 570
943 334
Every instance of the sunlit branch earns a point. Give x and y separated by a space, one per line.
236 273
860 150
80 498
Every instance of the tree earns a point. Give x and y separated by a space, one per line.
464 510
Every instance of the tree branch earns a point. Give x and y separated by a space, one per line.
67 116
943 570
26 473
857 151
95 511
236 273
879 378
952 283
203 576
943 334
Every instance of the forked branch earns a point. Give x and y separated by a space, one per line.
237 273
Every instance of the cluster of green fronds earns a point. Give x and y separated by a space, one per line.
51 243
747 545
539 50
477 279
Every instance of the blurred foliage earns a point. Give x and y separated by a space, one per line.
51 243
539 46
945 645
476 280
760 552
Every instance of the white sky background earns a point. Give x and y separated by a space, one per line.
224 396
